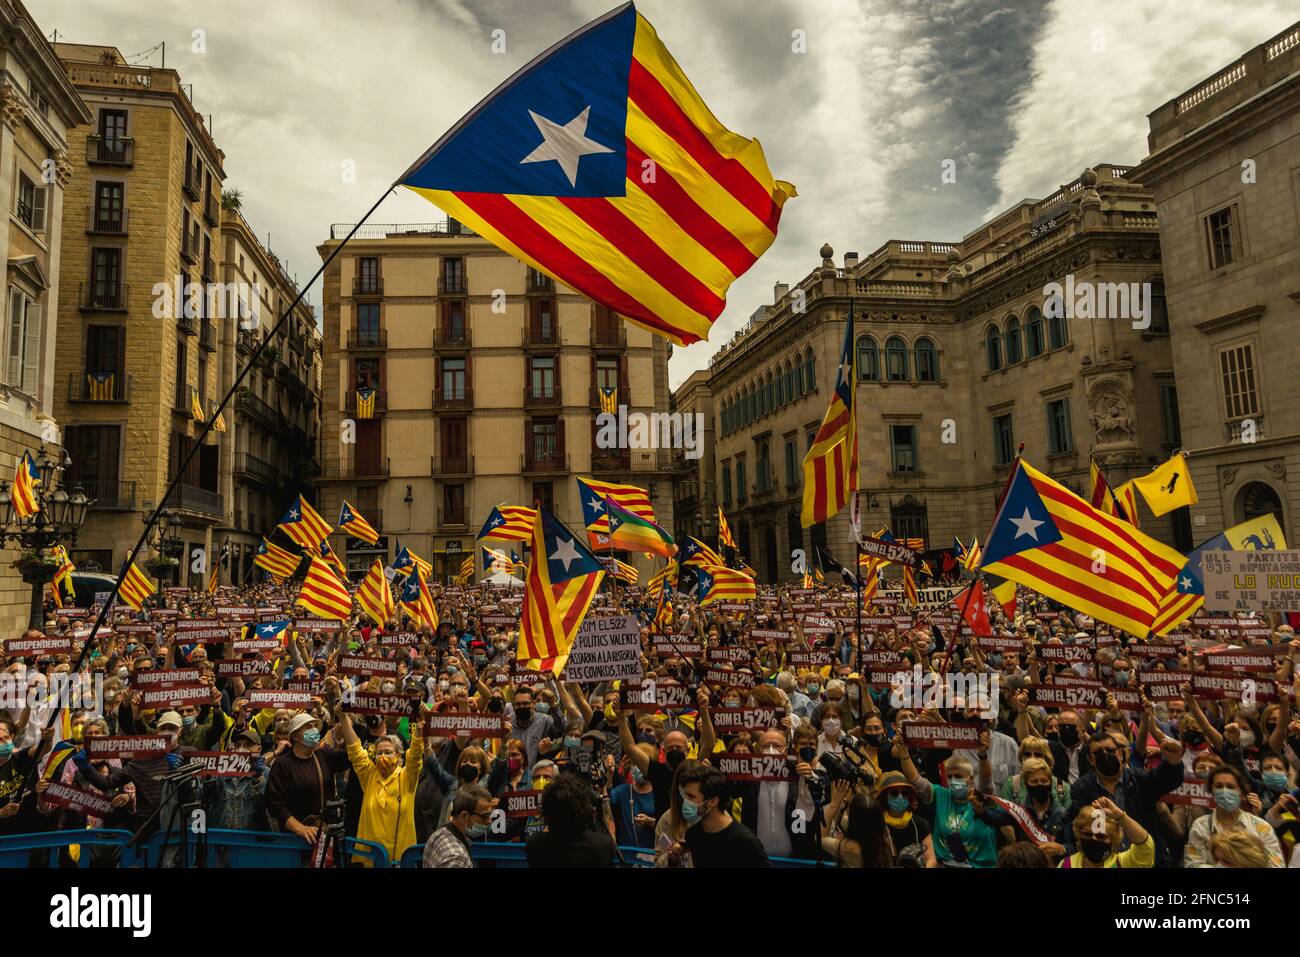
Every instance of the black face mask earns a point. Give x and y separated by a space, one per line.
468 773
1106 763
1039 792
807 754
875 740
495 705
523 715
1053 736
1193 738
675 758
1069 735
1095 851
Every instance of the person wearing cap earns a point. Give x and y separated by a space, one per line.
301 780
239 803
145 773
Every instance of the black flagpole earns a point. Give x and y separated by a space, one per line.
194 449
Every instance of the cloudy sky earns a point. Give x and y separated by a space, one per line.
1021 94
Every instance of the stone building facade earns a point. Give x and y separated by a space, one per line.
960 358
487 378
1224 168
39 110
142 223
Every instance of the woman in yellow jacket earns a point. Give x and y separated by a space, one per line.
388 788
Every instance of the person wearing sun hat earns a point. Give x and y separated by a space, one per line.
899 801
301 779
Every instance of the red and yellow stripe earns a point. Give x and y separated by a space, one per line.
374 594
135 588
700 207
323 594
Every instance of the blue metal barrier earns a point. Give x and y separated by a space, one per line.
16 850
257 849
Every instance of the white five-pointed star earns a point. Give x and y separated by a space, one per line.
565 144
497 521
596 505
1025 525
1185 582
566 553
293 515
844 373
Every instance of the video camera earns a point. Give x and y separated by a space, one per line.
838 769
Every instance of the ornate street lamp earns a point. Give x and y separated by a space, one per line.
164 538
58 519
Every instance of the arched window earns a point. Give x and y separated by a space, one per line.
1057 333
810 371
896 359
993 347
868 359
771 393
927 361
1034 332
788 376
1159 308
722 417
798 375
1011 340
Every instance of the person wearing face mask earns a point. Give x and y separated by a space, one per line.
784 815
1135 790
532 725
1098 830
1174 821
145 773
676 747
239 803
713 837
1069 756
906 828
388 787
960 837
301 779
472 767
1231 796
449 845
633 807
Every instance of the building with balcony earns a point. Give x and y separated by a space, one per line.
695 492
274 420
137 345
516 362
1224 167
959 359
39 108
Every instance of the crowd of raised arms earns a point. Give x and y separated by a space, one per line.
805 749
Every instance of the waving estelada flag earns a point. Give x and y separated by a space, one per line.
725 538
562 581
1049 539
512 523
406 560
303 525
350 521
695 552
279 562
26 478
418 603
717 583
1188 593
1101 496
599 164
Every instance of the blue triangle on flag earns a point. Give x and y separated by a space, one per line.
566 555
1022 524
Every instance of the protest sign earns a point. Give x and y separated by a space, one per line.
127 747
1253 580
605 649
450 724
950 736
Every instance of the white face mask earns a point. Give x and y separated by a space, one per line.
831 727
1247 738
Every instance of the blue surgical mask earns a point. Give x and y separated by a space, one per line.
477 830
311 738
1273 780
543 707
813 691
188 720
1121 677
690 812
995 661
7 749
453 670
898 803
572 743
637 776
1228 799
959 787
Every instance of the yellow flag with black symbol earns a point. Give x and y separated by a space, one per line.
1168 487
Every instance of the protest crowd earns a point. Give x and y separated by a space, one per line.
737 733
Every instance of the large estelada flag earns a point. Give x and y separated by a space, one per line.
513 523
1188 593
1049 539
417 602
830 469
562 580
718 583
695 552
303 525
279 562
135 588
350 521
599 164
